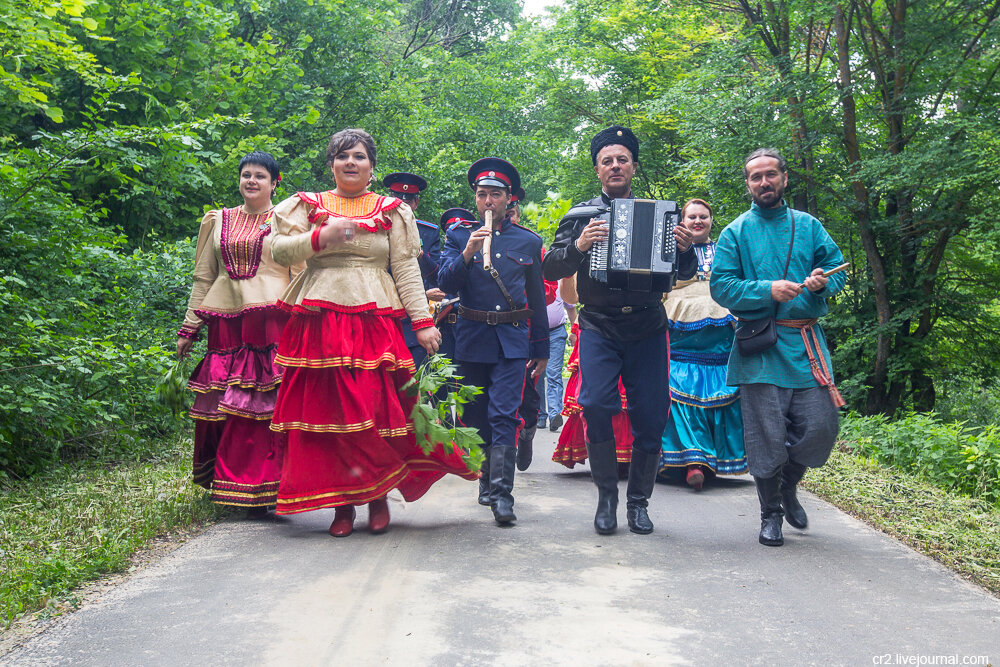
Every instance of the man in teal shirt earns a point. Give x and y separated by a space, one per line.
789 402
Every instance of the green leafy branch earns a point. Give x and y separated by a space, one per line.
170 390
436 416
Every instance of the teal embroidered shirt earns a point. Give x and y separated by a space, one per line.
750 255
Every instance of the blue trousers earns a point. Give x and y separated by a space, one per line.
550 386
644 370
494 412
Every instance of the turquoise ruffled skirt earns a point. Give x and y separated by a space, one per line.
705 426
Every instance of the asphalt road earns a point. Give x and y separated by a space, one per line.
446 586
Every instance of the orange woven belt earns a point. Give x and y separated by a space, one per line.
817 363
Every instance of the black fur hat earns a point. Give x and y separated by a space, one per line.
614 135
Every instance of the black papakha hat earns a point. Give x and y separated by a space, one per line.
404 184
495 173
614 135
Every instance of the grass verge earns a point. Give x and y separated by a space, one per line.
81 520
960 532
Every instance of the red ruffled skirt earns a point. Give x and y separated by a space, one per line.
343 408
572 446
236 455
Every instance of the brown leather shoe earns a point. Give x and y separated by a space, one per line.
343 521
378 516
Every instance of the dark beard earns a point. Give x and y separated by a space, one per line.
778 194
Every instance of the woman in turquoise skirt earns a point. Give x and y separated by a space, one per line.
704 434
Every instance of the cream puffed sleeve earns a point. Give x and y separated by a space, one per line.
293 240
206 270
404 248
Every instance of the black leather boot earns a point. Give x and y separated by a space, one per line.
502 484
484 479
524 442
791 475
769 494
604 470
641 479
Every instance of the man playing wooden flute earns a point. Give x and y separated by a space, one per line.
495 267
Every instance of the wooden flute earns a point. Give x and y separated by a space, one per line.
488 242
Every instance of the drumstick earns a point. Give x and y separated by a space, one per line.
827 274
488 241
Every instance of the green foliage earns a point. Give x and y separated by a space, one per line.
84 343
544 217
170 389
438 412
949 455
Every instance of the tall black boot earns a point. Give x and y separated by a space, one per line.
641 479
791 475
769 494
502 484
524 442
484 479
604 470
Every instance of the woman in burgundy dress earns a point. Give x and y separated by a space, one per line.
236 288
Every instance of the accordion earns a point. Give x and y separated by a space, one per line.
640 252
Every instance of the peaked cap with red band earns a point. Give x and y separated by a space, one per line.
495 173
517 196
404 183
453 215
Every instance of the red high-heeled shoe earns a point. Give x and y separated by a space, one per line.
378 516
343 521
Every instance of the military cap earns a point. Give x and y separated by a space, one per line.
404 184
495 173
453 215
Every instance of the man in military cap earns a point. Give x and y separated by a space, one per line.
622 334
408 187
502 326
447 315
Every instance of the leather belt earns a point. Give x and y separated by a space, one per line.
494 318
616 310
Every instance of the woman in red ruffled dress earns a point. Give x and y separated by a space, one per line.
572 446
236 287
342 403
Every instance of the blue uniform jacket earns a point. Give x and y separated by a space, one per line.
430 242
517 256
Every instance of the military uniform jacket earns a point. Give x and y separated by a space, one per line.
602 305
517 257
430 244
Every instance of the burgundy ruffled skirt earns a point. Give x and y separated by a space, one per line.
346 415
236 454
571 448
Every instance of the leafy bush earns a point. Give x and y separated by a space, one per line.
971 400
87 331
948 454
